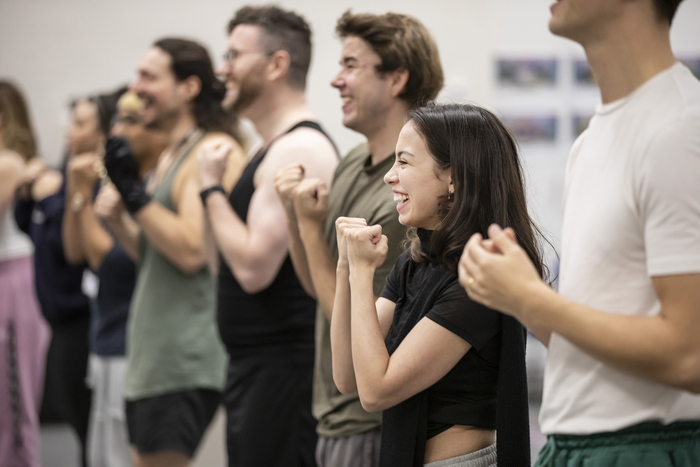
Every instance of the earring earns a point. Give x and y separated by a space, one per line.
450 196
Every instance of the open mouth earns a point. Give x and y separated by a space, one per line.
402 199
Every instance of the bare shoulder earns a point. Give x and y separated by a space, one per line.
11 163
306 146
47 184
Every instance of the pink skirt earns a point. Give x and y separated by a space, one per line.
24 341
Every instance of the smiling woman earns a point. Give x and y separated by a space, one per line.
447 372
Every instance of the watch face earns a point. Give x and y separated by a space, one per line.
77 202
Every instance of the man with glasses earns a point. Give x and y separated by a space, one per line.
266 319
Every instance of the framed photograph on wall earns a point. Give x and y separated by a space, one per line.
532 129
526 73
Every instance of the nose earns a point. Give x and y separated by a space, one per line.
223 69
136 86
390 178
337 81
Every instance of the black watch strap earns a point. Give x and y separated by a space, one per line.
204 194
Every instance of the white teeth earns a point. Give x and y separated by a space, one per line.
398 197
347 99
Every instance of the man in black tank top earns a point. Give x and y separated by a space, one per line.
266 319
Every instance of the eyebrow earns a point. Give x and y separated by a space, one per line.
347 59
402 153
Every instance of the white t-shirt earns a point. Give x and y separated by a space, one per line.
631 212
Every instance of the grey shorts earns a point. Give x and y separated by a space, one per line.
353 451
486 457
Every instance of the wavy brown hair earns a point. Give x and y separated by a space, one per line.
402 43
488 181
17 132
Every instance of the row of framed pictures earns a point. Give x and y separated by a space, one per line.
543 129
529 73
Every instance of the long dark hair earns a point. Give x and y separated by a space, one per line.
188 58
488 181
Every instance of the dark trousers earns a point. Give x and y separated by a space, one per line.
269 421
66 397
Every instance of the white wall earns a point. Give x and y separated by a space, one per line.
62 49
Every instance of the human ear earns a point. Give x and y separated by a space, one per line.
193 86
398 80
279 65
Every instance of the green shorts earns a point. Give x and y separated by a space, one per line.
649 444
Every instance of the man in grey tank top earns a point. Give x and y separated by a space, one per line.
176 359
375 104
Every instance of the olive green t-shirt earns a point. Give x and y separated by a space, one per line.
172 340
358 190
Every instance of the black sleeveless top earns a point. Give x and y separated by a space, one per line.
275 323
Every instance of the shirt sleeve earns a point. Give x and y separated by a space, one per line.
669 199
391 287
471 321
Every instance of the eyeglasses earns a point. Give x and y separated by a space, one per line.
232 55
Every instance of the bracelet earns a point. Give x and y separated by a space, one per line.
204 194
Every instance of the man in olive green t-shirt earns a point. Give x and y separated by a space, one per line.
376 105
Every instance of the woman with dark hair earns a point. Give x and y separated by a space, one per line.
41 212
447 372
24 335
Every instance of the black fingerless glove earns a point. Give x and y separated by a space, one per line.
123 170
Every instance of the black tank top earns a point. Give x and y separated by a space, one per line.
275 323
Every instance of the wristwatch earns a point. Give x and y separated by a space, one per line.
204 194
77 202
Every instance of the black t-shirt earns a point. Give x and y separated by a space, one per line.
466 395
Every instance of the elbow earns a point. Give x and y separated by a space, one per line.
72 257
371 402
251 279
190 264
344 386
686 374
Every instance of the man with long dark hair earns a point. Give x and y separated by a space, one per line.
389 65
176 360
623 371
266 320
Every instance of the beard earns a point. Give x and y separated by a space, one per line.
249 89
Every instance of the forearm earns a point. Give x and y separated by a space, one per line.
648 347
210 251
72 238
297 253
172 237
321 265
97 242
341 345
369 353
126 232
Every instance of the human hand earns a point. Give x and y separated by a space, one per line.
212 158
343 225
33 169
367 246
83 172
108 205
311 201
286 180
123 170
498 273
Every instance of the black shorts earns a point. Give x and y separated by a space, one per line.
269 421
171 422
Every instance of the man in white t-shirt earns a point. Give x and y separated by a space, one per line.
623 332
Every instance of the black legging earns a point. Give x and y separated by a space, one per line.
66 397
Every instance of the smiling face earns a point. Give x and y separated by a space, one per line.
164 98
244 71
417 183
84 134
366 95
